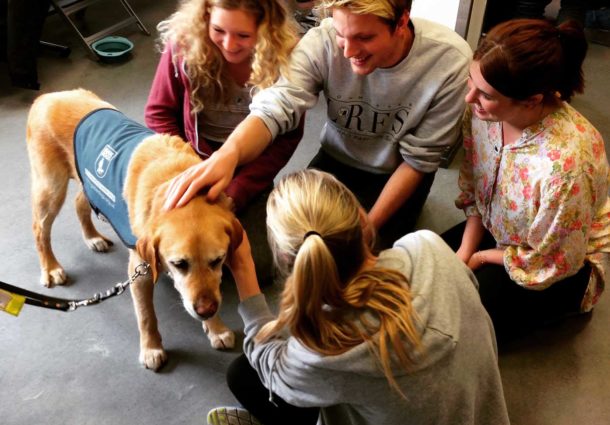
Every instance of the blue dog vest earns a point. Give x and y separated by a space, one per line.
104 141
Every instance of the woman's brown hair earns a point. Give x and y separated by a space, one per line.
524 57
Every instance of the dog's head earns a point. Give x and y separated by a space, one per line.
192 243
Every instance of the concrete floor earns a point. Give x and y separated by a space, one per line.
81 367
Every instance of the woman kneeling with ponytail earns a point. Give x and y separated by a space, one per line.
398 338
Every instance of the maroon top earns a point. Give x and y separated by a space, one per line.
168 110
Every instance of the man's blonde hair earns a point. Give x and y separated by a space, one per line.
329 302
187 32
390 11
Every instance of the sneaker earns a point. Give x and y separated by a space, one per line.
231 416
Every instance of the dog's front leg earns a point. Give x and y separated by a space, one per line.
221 337
152 354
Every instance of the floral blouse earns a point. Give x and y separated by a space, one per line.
544 198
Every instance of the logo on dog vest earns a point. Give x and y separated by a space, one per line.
103 160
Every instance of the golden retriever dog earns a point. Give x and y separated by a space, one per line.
190 243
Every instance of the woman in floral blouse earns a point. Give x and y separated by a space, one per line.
534 181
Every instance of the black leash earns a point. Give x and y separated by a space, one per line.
41 300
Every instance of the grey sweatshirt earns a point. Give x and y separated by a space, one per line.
455 380
411 111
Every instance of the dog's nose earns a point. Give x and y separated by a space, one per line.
205 308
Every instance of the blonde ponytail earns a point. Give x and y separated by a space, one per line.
331 301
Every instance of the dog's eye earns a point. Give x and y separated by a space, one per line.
181 265
216 261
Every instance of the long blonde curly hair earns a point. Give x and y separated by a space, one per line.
186 32
330 302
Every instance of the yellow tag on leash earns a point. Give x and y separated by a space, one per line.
11 303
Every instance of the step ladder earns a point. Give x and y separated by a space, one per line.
67 8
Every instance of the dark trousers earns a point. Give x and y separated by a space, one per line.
21 23
512 308
248 389
367 187
253 219
569 9
498 11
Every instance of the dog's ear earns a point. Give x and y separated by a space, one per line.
236 233
146 248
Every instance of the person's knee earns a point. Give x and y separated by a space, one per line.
238 375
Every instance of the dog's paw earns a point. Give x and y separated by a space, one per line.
98 244
153 358
56 276
222 340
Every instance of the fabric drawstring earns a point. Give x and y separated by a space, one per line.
270 383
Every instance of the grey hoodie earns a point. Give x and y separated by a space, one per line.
455 380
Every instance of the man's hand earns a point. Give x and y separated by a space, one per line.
214 173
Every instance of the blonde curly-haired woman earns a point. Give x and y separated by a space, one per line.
216 54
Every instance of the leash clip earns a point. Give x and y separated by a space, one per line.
140 270
73 305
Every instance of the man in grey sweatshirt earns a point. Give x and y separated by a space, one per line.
394 89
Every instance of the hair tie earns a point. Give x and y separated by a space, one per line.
558 32
309 233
